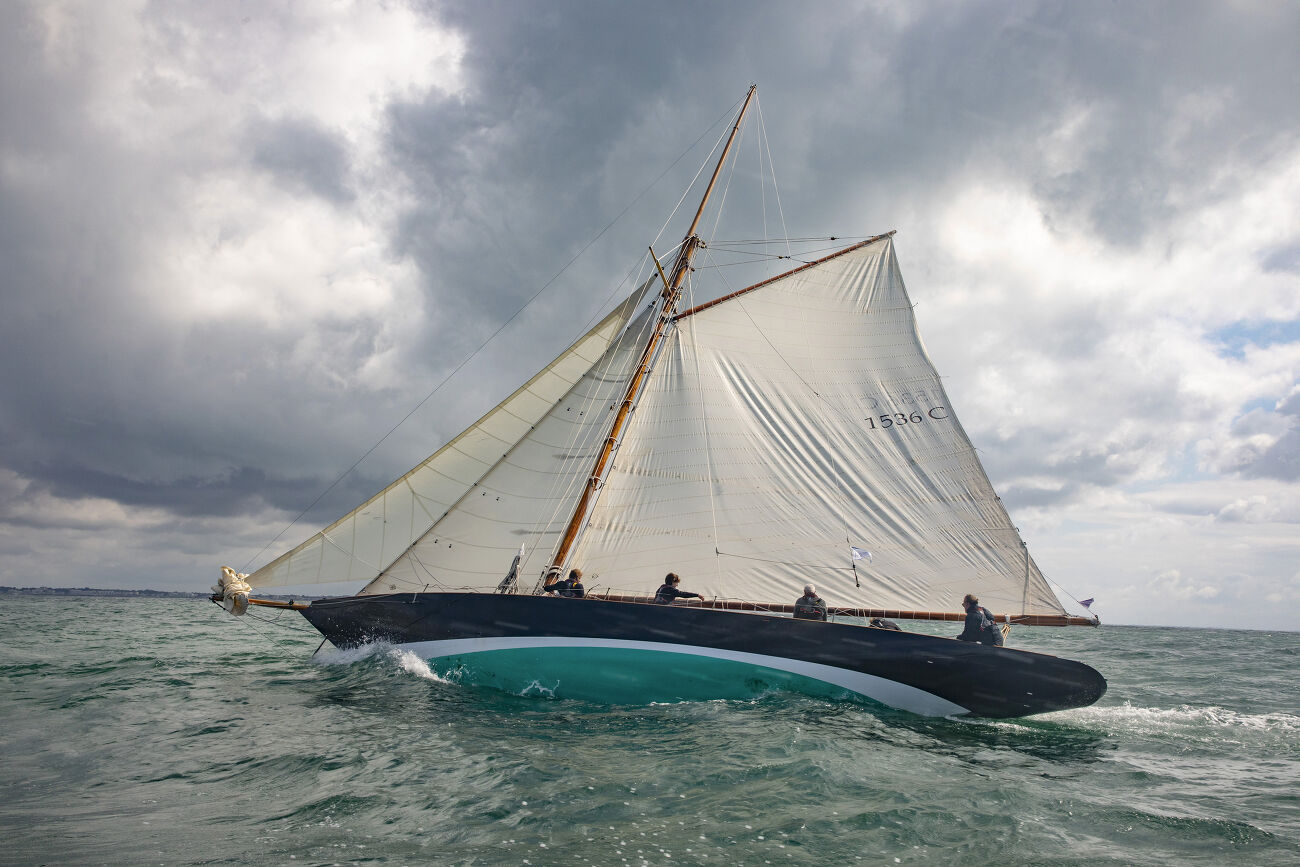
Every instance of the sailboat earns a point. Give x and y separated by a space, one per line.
788 433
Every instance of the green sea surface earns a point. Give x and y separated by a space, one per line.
164 731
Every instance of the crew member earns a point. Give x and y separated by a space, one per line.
668 592
810 606
571 586
980 625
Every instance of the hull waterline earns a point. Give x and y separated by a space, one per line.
621 652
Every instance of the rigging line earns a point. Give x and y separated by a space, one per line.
731 173
806 257
581 513
276 622
638 269
1063 590
559 491
762 178
553 489
581 439
796 257
277 645
776 190
648 326
703 165
502 327
756 254
652 369
845 238
719 265
785 562
708 440
735 251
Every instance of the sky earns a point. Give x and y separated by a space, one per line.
239 242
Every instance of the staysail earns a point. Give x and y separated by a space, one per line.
457 519
785 427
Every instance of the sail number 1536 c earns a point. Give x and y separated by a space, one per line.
881 422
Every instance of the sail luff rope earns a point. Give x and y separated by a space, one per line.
647 366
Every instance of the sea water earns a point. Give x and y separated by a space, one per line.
165 731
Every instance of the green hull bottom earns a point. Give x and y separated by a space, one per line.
624 676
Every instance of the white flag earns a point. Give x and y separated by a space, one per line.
860 553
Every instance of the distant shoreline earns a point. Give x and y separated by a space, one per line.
115 593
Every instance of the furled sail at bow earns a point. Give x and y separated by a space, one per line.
786 425
457 519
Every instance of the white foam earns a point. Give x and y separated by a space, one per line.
1184 716
348 656
536 688
406 660
411 663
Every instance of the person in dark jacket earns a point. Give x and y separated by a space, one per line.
810 606
668 592
980 625
571 586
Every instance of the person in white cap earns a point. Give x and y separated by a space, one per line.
810 606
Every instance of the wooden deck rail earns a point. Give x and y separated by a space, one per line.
886 613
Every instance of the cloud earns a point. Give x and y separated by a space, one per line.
195 219
305 157
1261 443
1173 585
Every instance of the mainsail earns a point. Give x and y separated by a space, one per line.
789 424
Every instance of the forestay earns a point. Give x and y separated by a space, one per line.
458 518
789 423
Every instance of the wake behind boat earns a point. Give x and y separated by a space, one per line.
795 431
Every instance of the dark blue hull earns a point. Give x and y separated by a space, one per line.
595 639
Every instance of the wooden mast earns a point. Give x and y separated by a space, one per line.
671 292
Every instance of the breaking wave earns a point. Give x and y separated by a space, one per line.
386 654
